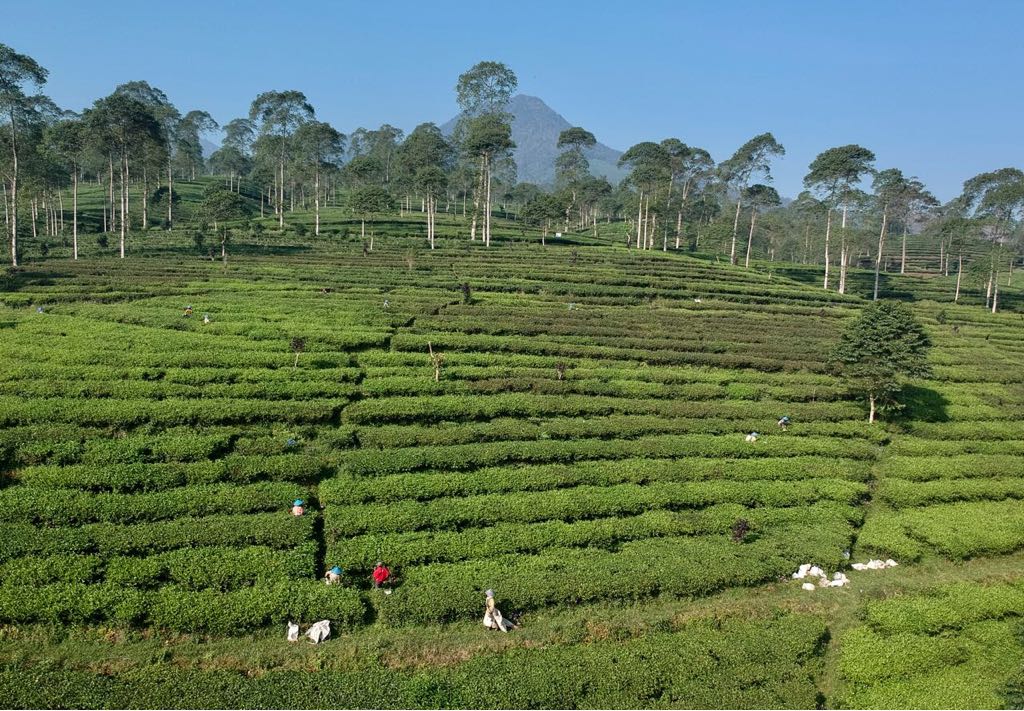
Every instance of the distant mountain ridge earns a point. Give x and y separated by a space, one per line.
535 129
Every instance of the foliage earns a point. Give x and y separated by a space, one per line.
884 343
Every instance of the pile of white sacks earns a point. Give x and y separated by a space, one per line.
839 579
812 571
875 565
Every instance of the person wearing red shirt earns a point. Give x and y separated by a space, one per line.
380 574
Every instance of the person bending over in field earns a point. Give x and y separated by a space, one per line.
752 437
493 619
333 576
188 311
381 575
784 423
298 507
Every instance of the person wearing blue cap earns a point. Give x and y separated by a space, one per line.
298 507
333 576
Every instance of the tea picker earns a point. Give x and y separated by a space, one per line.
380 576
298 507
752 437
493 619
333 576
784 423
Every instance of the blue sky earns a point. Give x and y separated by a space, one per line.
933 88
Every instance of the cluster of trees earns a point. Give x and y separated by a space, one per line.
133 139
136 144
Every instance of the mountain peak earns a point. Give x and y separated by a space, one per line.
535 130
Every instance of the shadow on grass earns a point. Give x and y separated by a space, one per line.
923 405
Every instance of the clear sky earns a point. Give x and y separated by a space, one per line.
933 88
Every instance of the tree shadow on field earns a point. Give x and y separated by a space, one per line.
923 405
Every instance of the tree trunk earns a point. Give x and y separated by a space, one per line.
844 254
648 233
750 237
735 230
881 246
316 188
280 202
828 236
7 212
476 200
145 201
124 200
995 293
903 254
170 196
871 415
639 219
14 190
487 203
959 274
74 213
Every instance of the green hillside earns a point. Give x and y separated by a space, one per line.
581 451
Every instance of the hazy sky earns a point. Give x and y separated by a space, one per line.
934 88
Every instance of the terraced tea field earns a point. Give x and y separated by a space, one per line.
579 448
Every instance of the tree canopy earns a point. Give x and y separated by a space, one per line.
883 345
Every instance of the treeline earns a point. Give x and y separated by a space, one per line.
136 143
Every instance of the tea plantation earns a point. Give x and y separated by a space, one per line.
576 444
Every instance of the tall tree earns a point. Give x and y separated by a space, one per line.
689 167
960 233
750 160
890 187
366 201
882 345
997 200
807 211
572 167
379 145
650 169
170 123
234 155
278 115
833 174
66 139
123 125
321 147
425 158
16 72
220 206
488 137
485 129
193 126
759 197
